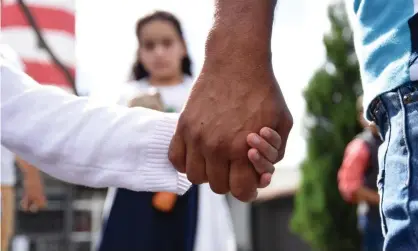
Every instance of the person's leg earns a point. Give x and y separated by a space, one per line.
178 227
129 225
192 217
396 114
372 236
7 215
134 224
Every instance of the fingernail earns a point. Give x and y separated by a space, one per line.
256 155
265 132
268 178
255 139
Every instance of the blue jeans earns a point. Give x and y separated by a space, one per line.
396 115
372 236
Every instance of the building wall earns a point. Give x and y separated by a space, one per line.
271 226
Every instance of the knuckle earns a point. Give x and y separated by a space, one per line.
214 146
196 135
173 156
183 122
183 117
211 147
280 156
176 160
238 149
285 124
289 122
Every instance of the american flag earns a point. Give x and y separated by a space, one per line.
56 22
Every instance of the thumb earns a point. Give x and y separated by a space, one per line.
177 152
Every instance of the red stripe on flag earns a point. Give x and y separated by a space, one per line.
46 18
47 73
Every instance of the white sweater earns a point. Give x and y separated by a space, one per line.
78 141
7 158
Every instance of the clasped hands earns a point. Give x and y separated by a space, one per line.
232 130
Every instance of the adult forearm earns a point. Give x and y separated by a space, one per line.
242 29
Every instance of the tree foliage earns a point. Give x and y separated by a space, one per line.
321 217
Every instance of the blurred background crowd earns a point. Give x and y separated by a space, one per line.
147 53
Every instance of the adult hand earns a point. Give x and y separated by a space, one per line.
228 101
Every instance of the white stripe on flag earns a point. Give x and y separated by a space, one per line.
68 5
25 43
67 89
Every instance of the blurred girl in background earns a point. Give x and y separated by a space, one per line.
145 221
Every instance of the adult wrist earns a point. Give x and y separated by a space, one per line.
159 174
242 31
225 48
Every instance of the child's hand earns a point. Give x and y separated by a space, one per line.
264 153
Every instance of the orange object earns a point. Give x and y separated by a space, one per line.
164 201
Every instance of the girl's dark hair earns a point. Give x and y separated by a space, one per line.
138 70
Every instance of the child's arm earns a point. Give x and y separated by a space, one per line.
34 197
353 168
368 195
80 141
